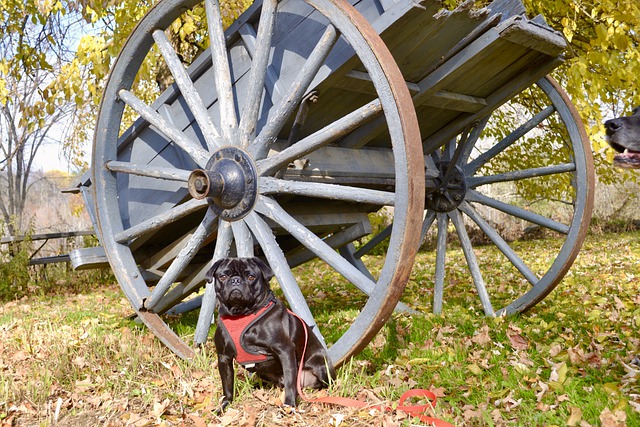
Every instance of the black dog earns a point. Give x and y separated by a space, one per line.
623 134
269 339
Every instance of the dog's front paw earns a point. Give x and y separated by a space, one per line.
288 409
223 406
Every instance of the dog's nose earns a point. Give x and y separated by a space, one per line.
235 281
613 125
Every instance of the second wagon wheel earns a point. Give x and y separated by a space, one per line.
522 173
264 181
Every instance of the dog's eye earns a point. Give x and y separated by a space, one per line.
222 277
251 277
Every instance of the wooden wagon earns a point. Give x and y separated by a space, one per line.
302 119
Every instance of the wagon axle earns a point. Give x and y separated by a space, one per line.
449 190
229 183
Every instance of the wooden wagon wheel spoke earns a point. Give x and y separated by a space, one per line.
453 152
521 174
518 212
471 140
204 230
326 191
186 287
500 243
287 105
472 262
222 250
510 139
170 174
322 137
242 238
258 73
194 149
374 242
386 232
159 221
429 218
191 95
273 211
282 271
222 78
441 259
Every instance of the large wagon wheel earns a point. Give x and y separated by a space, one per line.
233 162
529 162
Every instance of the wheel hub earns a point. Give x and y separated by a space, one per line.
229 183
449 191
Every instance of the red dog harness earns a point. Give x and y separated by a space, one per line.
236 326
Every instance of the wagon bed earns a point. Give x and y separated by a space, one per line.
370 144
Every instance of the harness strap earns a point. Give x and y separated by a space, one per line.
416 411
236 326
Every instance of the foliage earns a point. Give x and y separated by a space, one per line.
14 269
19 279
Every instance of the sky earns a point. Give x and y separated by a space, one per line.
49 157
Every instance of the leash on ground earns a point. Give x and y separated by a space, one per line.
415 411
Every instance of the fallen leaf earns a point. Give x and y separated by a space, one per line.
80 362
610 419
543 389
229 417
336 419
197 421
558 373
159 408
576 355
517 341
575 417
555 350
136 420
388 421
84 385
474 369
20 356
471 412
482 337
438 391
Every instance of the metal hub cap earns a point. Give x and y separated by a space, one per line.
229 183
450 189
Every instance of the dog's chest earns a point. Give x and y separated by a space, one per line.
236 326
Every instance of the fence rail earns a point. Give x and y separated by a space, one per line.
46 237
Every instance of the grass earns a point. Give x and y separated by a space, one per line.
75 360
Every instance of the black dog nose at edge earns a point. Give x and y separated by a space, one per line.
235 281
613 125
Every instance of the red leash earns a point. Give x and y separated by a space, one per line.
416 411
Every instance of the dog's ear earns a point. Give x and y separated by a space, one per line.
212 271
267 273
